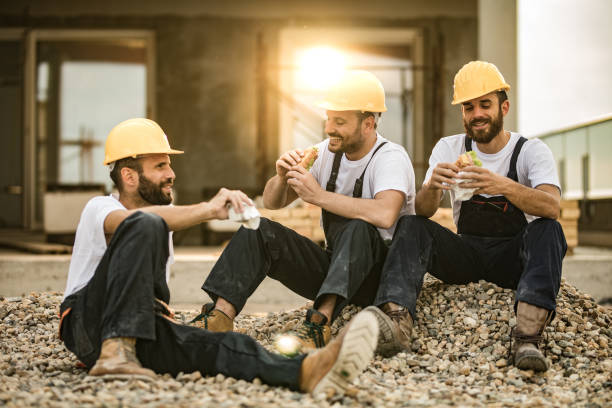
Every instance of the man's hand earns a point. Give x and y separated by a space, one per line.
220 203
287 161
485 181
304 184
443 176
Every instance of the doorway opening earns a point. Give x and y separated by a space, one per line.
79 84
310 59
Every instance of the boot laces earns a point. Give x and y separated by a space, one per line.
205 315
397 315
524 338
400 317
311 331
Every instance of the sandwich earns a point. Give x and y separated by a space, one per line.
310 155
468 159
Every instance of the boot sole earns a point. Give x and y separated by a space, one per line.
531 362
123 377
388 342
355 353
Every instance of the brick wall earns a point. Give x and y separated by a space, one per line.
303 219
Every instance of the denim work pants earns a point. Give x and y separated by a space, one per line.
530 262
119 302
351 271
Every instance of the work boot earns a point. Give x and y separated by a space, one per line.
213 320
526 335
395 324
313 333
344 358
118 357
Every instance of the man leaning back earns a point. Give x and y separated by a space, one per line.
114 316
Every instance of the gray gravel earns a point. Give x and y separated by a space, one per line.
458 358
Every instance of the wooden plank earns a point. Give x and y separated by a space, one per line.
569 204
570 213
37 247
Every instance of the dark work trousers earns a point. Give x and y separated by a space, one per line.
351 271
119 302
530 262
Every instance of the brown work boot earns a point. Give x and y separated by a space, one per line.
526 335
213 319
313 333
118 357
344 358
395 325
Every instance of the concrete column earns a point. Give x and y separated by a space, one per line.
497 43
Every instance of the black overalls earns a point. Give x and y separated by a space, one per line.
494 243
349 268
119 301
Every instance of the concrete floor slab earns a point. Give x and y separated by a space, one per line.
589 269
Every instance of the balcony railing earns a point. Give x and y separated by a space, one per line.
583 153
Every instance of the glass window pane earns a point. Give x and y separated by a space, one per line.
600 165
575 148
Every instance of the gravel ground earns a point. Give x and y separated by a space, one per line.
458 358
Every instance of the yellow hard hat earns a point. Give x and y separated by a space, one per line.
475 79
134 137
356 90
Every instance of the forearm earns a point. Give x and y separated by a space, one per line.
182 216
427 201
373 211
533 201
277 193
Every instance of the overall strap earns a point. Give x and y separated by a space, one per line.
331 183
468 143
358 189
512 174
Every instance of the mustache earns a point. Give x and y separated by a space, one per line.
474 122
334 135
168 182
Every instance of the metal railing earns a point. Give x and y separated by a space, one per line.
583 155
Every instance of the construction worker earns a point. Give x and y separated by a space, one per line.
362 182
507 233
114 315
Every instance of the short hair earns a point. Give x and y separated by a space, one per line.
364 115
130 163
502 96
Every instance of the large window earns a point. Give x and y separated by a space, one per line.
81 83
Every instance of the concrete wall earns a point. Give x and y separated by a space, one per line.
497 43
206 80
565 61
260 9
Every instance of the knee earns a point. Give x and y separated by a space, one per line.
360 226
412 223
265 224
550 230
147 223
358 231
547 226
266 231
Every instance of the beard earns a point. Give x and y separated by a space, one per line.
346 147
496 124
152 193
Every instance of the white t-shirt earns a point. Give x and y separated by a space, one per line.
390 169
535 164
90 242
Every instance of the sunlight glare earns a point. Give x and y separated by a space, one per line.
319 67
